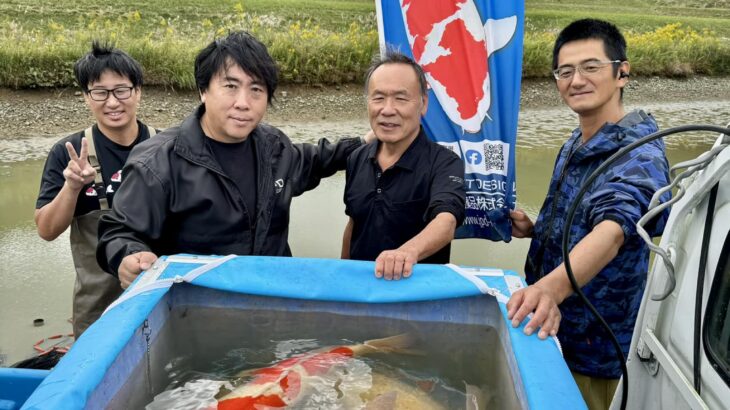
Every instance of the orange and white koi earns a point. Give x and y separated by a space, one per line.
283 384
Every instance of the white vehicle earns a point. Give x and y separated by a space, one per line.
680 350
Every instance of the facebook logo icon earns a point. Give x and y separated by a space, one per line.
473 157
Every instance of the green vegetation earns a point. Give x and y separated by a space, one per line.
327 42
665 37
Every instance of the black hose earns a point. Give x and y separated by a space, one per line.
709 219
569 221
45 361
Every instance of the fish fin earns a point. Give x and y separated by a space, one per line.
395 344
385 401
244 373
474 397
499 32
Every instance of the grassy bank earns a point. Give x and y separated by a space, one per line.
326 42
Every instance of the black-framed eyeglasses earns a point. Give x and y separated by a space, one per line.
102 94
586 68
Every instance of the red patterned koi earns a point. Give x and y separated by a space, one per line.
281 385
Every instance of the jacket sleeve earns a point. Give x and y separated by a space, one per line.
448 193
314 162
137 217
625 196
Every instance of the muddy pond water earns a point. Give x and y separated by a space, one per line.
36 277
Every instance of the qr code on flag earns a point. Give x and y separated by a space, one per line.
494 157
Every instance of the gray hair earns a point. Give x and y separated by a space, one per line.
393 56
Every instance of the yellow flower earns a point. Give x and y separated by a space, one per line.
55 26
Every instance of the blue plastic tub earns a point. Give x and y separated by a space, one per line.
196 307
16 385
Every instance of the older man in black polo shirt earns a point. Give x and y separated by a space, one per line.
405 194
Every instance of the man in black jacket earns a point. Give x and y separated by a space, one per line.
221 182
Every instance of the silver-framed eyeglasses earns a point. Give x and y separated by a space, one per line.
102 94
586 68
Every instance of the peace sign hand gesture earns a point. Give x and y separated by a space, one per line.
79 172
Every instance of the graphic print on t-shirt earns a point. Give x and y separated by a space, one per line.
115 181
111 157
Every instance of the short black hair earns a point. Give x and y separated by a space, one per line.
239 48
393 56
614 43
101 58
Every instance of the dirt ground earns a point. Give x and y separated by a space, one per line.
25 113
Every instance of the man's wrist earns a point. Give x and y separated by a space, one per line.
554 287
529 232
71 188
135 247
411 250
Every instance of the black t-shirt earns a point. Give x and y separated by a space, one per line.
389 207
238 161
111 156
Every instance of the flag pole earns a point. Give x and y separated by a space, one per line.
381 26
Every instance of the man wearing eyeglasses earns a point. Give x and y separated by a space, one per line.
608 257
83 171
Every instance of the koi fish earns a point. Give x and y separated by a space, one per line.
285 383
389 393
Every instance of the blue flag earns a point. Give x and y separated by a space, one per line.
471 52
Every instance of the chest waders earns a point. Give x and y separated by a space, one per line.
94 289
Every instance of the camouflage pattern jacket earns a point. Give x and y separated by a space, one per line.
621 194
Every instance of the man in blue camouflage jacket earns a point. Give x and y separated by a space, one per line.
608 257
